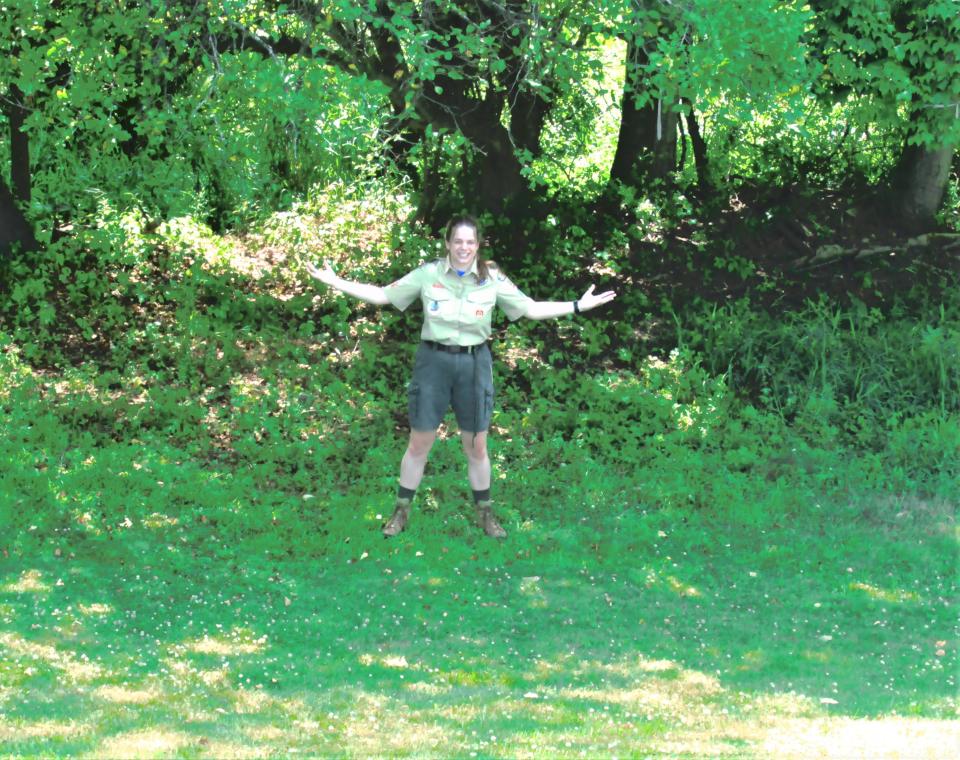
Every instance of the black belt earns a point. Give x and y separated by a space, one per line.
453 349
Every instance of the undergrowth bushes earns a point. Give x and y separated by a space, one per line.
865 361
187 390
854 377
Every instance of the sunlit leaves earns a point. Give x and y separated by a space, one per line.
706 53
894 54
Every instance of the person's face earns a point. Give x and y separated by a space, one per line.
462 246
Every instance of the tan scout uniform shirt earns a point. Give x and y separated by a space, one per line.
457 310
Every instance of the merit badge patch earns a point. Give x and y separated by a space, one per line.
435 306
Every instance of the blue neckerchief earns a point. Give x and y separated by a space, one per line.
459 273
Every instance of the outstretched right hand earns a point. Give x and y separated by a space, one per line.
326 275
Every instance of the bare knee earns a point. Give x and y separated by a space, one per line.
475 447
420 444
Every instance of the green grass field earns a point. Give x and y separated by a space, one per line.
833 636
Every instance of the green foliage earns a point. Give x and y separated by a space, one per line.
702 51
209 349
229 114
308 126
853 375
949 216
124 97
825 144
897 54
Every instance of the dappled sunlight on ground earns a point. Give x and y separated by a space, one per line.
143 743
389 661
886 595
71 666
680 588
381 725
851 739
126 695
238 750
95 609
223 645
435 657
562 707
157 520
11 730
30 581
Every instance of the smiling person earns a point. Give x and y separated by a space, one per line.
453 365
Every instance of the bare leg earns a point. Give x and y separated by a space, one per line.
415 457
411 471
478 463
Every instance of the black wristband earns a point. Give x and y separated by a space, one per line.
576 307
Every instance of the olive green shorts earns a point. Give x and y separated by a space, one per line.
441 380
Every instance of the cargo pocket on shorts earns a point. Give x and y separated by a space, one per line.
413 401
487 407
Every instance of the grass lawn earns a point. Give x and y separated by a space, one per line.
835 636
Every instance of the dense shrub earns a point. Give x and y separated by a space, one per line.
191 379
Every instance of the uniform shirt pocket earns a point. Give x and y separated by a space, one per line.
479 305
440 316
438 304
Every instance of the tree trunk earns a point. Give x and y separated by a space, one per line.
528 113
918 183
15 230
647 142
493 178
704 185
919 179
499 181
19 146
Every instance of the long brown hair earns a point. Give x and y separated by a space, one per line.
465 220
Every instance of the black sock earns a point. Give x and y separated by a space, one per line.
406 493
481 495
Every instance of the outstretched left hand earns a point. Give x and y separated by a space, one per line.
591 300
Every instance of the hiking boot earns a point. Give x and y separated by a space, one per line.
488 522
399 519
